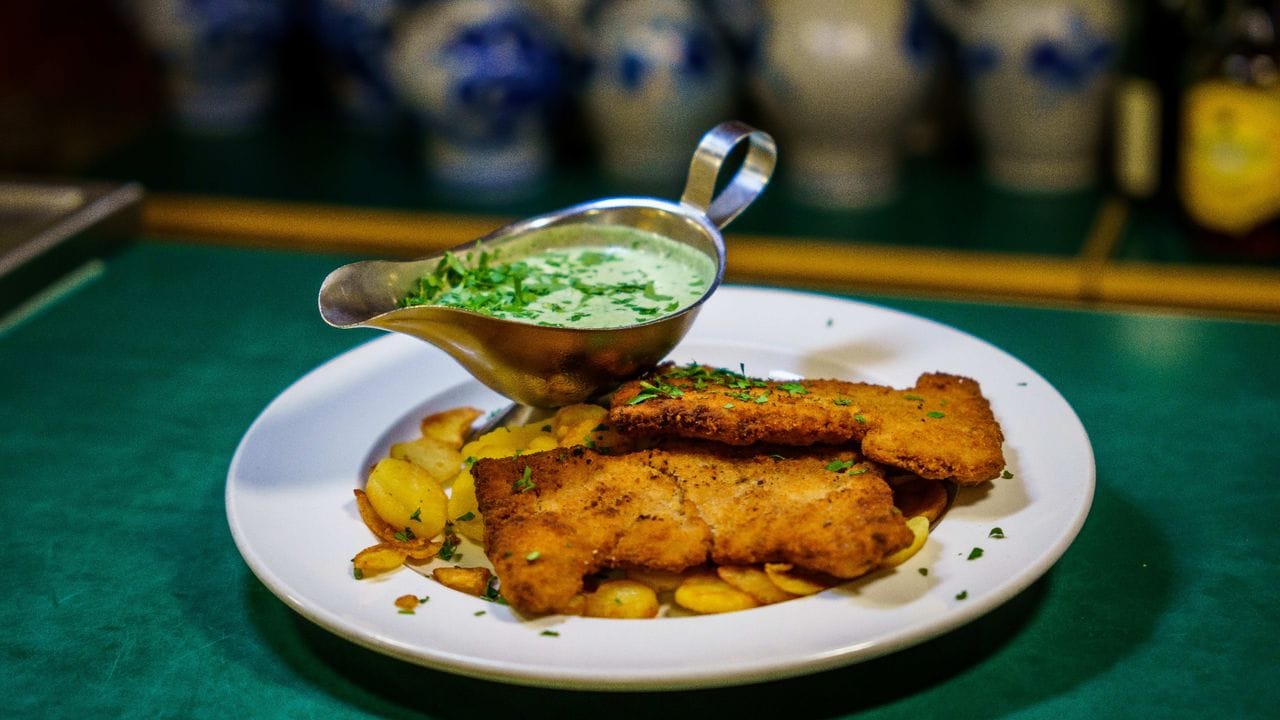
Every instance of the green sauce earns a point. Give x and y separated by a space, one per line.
580 276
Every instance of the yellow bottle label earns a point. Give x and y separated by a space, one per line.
1231 155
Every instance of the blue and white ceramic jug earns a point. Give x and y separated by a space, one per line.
219 57
483 75
659 76
1039 75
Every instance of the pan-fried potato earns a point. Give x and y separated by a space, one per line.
706 593
919 526
438 459
575 424
786 577
372 519
378 559
755 582
450 427
660 580
464 511
916 496
508 441
407 498
622 599
470 580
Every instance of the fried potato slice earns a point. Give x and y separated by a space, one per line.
797 582
464 511
622 599
437 458
378 559
573 423
914 496
450 427
755 582
470 580
660 580
706 593
919 526
407 498
508 441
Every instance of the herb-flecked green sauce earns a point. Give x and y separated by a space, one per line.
580 276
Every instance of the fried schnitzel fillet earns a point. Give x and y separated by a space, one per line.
555 517
940 429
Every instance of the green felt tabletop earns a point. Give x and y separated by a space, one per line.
124 399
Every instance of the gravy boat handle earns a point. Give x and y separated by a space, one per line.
747 183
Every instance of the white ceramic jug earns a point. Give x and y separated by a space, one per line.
1038 76
837 82
660 75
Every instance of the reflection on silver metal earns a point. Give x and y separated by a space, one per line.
549 367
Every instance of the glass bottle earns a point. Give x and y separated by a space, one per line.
1230 150
1148 100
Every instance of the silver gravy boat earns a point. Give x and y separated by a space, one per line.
541 367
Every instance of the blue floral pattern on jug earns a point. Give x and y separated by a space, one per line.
1072 64
920 38
980 59
697 52
356 35
502 70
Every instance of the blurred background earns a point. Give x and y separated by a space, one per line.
1091 151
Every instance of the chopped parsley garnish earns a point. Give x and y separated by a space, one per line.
525 483
915 398
649 391
840 465
478 613
975 553
935 414
549 633
491 592
448 549
843 401
357 573
465 517
793 388
860 418
728 406
924 572
996 533
417 515
1006 475
405 535
962 594
532 556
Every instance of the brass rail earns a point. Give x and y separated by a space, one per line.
1091 278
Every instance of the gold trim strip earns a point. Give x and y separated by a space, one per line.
313 227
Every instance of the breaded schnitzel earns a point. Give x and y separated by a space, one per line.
555 517
940 429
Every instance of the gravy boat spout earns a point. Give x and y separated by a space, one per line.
549 366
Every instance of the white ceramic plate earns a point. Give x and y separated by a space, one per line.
291 510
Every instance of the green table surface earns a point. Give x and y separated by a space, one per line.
125 398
